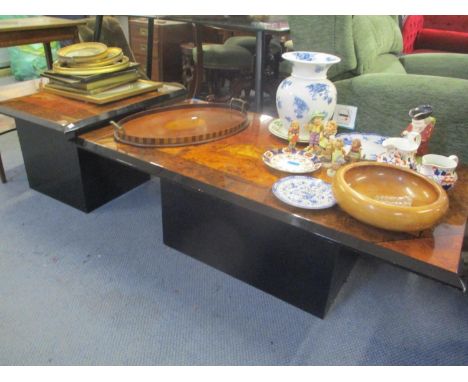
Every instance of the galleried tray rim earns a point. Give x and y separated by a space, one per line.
121 136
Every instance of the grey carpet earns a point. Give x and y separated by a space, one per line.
102 289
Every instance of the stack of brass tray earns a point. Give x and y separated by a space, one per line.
93 72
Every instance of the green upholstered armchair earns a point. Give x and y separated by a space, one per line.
384 84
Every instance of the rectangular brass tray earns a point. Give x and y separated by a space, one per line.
88 78
115 94
91 91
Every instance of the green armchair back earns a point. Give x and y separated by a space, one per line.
385 85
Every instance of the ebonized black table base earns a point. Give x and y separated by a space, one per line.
285 261
56 167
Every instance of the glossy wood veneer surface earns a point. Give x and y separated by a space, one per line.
37 22
234 167
65 114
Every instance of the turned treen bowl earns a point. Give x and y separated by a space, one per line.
389 197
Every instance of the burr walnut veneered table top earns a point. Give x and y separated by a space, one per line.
232 169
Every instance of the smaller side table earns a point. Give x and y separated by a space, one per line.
44 29
55 166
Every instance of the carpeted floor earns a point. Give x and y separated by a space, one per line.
102 289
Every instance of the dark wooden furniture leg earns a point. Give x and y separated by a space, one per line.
287 262
188 66
260 41
199 63
97 28
48 55
2 171
56 167
149 48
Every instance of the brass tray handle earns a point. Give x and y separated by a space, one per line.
118 128
239 101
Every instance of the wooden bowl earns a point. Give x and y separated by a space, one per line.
389 197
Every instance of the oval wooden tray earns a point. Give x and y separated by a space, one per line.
181 125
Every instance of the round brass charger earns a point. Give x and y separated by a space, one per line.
82 52
84 71
113 55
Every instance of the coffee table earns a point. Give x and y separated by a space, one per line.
217 206
47 126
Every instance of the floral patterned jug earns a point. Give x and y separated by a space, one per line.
401 151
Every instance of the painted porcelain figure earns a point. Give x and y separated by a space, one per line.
325 155
328 133
401 151
422 122
293 135
315 128
338 156
307 91
355 152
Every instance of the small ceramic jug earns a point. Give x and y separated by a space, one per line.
401 151
440 168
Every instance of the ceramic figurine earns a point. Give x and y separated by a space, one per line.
355 152
338 156
423 123
329 131
293 135
326 154
315 128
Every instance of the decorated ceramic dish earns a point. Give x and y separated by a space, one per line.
304 192
277 128
292 161
371 144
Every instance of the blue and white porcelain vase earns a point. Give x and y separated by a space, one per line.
307 91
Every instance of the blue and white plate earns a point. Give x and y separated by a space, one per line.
371 144
277 128
304 192
294 161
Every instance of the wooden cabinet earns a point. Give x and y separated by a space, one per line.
167 53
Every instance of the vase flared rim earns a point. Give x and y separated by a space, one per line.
311 57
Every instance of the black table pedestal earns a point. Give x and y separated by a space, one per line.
56 167
285 261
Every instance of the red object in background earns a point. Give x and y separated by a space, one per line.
423 34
